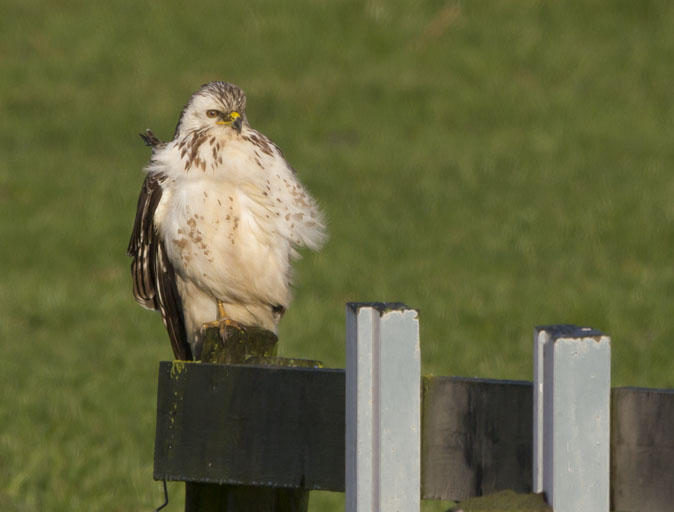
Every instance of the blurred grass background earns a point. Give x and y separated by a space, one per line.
496 164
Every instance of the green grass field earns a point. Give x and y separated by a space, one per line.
496 164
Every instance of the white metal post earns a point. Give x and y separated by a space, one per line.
572 393
383 408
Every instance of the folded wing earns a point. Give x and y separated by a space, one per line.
154 285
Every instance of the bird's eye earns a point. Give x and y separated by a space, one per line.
212 113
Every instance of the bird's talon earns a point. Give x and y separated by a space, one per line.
222 325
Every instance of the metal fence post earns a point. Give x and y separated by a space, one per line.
572 392
383 408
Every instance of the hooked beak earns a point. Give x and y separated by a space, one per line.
233 119
237 123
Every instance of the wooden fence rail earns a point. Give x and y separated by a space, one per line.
285 427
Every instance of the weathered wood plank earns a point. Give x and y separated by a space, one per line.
476 437
642 455
476 434
277 426
250 425
218 498
249 346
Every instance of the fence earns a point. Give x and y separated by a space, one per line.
369 432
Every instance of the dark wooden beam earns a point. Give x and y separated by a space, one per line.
244 346
476 437
285 427
642 449
250 425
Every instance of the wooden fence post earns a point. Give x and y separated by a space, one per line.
252 346
572 390
383 408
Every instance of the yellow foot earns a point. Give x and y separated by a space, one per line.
222 325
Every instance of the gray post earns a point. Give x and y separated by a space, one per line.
572 393
383 408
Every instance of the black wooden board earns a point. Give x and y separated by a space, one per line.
250 425
642 450
476 437
284 427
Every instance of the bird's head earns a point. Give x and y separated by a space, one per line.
216 106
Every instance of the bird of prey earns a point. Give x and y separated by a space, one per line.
220 217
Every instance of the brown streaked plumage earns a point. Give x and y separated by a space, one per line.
154 285
219 216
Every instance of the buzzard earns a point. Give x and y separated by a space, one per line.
220 217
